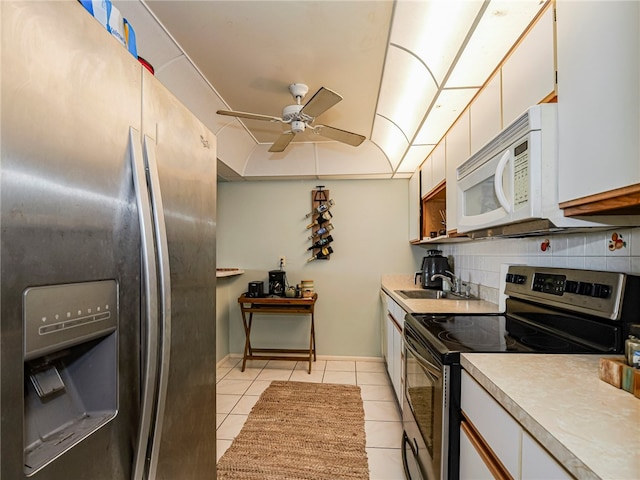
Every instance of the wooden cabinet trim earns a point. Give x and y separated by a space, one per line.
484 451
621 201
394 322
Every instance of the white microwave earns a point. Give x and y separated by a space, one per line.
513 178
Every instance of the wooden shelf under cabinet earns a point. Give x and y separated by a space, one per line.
432 204
621 201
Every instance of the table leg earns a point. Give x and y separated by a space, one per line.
312 344
313 336
247 336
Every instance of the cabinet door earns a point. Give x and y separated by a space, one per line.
384 324
538 463
438 171
426 176
598 96
486 114
397 363
528 75
414 207
472 464
499 429
390 355
457 149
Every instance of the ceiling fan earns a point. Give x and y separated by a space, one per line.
300 117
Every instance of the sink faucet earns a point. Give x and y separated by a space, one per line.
450 278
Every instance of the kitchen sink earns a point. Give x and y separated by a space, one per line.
422 294
432 295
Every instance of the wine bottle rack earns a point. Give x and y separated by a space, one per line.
320 197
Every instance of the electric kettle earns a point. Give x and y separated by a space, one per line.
433 264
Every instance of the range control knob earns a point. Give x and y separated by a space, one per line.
509 278
585 288
519 279
570 286
601 291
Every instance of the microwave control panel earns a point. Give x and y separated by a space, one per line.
521 174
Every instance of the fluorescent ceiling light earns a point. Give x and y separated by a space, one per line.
406 92
447 107
414 157
443 49
390 139
501 25
434 30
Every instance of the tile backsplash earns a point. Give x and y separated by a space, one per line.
478 262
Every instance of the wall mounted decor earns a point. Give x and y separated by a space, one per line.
320 225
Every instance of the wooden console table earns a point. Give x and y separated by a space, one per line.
277 305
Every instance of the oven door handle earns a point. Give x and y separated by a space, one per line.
433 369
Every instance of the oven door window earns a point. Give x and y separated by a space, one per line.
423 389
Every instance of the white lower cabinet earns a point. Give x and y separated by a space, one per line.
472 462
537 463
393 320
494 445
396 368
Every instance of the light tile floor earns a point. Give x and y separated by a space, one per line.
238 391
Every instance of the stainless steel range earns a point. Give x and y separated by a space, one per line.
548 310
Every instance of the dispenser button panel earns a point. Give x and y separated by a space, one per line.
60 316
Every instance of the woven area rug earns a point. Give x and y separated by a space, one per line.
300 431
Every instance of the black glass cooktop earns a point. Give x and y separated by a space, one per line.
449 335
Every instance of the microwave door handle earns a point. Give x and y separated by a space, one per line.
497 184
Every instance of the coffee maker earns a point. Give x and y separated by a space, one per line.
277 282
434 263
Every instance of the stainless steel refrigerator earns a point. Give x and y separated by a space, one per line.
107 227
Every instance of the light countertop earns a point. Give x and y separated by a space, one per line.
390 283
589 426
228 272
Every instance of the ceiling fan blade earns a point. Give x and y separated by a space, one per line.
282 141
250 116
321 101
340 135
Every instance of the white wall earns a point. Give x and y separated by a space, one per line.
260 221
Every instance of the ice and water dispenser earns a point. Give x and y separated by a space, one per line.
70 366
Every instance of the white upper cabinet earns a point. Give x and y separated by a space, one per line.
414 207
438 169
426 177
528 75
433 170
598 50
458 149
486 114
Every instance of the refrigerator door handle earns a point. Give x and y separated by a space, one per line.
150 285
160 233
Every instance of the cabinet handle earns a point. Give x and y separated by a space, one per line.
497 184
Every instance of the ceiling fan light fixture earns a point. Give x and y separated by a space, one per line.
297 126
299 117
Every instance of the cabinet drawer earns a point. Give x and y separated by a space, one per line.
499 429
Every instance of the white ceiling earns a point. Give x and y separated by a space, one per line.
250 51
